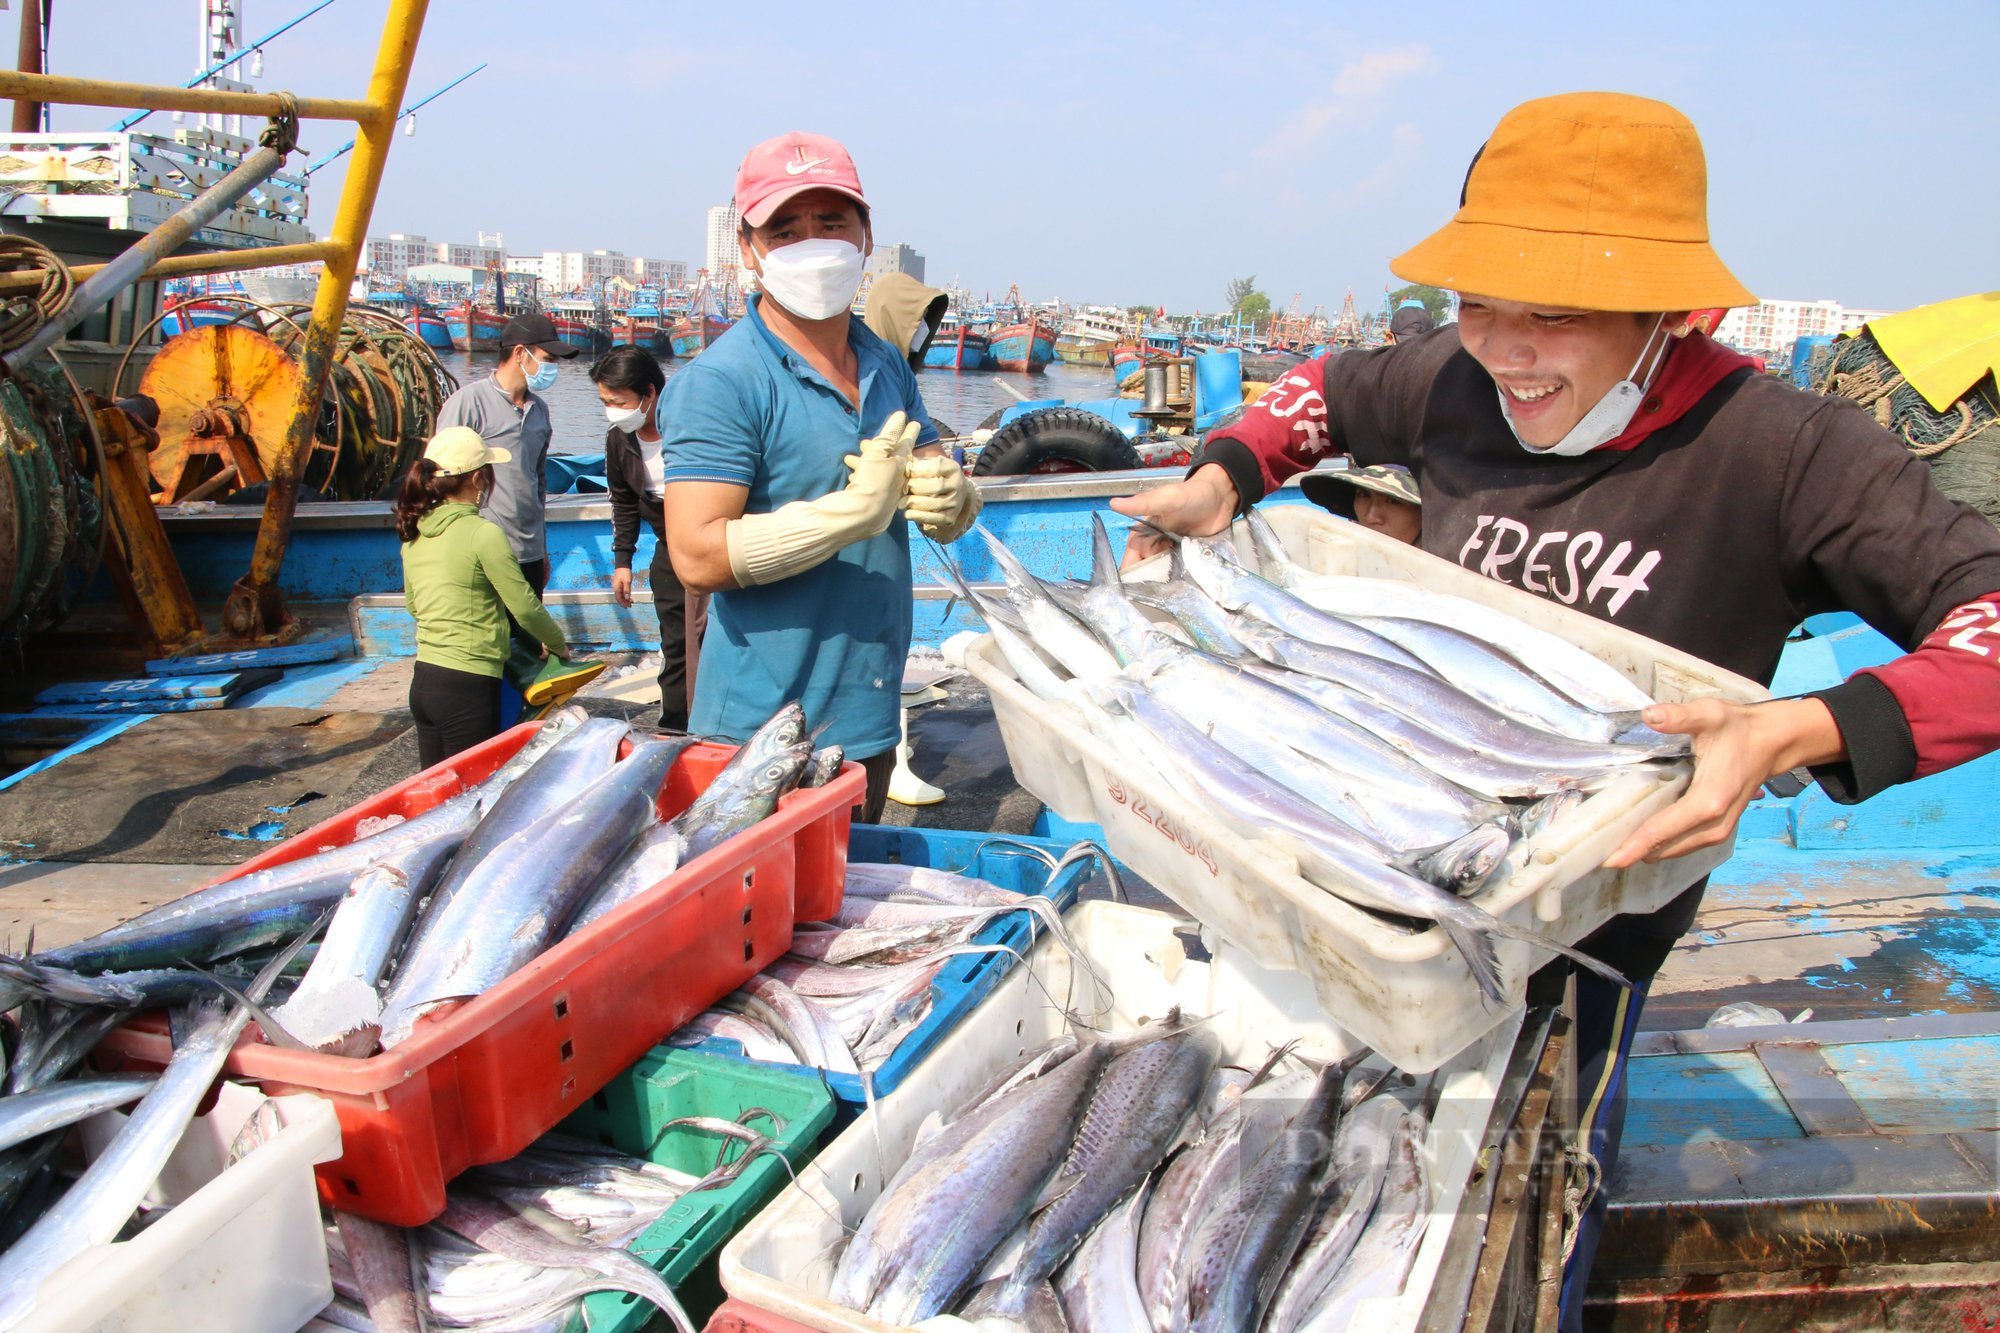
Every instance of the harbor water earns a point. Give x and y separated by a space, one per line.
959 400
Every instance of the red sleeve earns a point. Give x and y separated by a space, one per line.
1286 428
1949 687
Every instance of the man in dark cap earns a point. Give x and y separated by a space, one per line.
507 410
1411 320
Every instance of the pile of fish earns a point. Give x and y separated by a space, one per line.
522 1242
418 916
47 1225
1135 1183
854 987
437 909
1401 744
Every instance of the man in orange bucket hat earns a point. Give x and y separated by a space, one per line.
1577 435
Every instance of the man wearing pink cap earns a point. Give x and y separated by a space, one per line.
790 445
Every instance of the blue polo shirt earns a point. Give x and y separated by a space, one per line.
751 412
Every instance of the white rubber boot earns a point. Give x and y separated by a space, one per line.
905 787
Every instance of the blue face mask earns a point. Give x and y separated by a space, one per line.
543 377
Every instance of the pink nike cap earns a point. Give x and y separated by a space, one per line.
778 169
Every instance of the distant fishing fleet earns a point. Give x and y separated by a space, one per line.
677 323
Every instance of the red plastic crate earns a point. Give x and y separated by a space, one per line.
736 1317
484 1082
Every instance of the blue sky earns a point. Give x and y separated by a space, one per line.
1144 153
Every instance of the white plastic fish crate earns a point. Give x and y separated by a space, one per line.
241 1250
1409 995
783 1261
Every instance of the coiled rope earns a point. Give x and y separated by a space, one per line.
21 315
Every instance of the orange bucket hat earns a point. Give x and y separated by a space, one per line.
1594 201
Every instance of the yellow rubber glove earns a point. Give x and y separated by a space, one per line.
764 548
940 499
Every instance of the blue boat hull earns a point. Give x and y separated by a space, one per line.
962 352
436 334
1014 352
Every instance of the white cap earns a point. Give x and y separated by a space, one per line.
458 450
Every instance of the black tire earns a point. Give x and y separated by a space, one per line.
1056 439
944 428
992 421
1266 366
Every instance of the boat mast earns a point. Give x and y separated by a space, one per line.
222 49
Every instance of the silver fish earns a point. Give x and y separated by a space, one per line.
1462 720
341 996
379 1256
1361 1152
1099 1288
539 1238
1258 808
938 1225
556 777
1240 1249
1381 1259
520 898
111 1187
1213 567
28 1115
1136 1112
1583 677
744 793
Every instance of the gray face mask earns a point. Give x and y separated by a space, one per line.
1613 412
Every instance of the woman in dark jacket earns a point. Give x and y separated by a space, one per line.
629 381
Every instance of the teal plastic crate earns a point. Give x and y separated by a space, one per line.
627 1114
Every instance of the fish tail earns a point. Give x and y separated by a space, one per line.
1103 560
1577 956
1476 946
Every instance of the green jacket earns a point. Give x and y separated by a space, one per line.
460 580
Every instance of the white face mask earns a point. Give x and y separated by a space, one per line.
1608 419
814 279
917 336
626 418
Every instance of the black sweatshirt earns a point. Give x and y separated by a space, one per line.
625 473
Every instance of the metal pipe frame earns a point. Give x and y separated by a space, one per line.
256 608
178 266
20 86
114 277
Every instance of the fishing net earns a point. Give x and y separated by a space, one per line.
1961 443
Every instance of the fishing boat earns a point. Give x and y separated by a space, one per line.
192 312
958 346
474 328
1126 357
429 325
579 322
1091 333
703 323
1028 346
642 323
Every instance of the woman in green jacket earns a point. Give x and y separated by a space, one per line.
461 582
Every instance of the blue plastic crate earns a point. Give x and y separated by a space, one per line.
964 981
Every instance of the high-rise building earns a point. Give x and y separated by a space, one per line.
481 255
528 264
1773 326
578 270
896 258
391 256
722 260
659 272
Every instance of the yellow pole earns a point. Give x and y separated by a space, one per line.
256 608
23 86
